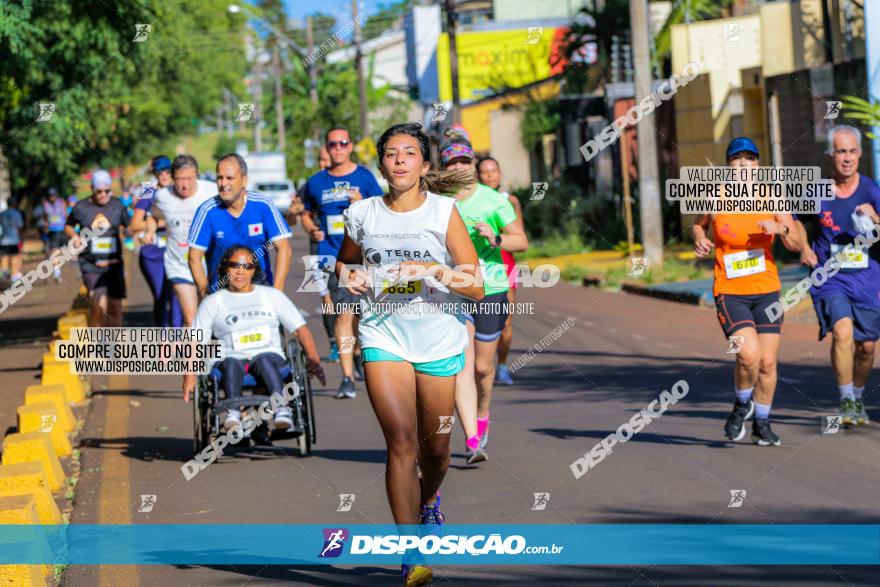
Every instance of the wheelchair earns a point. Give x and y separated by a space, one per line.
209 402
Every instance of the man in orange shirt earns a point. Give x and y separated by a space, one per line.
746 283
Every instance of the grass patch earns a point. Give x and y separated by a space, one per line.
672 270
555 245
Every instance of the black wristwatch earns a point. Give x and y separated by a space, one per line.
497 240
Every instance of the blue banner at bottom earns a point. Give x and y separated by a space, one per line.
354 544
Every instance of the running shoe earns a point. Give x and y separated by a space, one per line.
762 434
283 418
358 368
333 357
416 575
430 514
346 389
502 376
475 456
861 414
848 413
735 428
57 275
16 277
233 419
483 431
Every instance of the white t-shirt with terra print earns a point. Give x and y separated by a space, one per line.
247 323
405 319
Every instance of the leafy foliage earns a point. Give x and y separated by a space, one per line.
856 108
115 99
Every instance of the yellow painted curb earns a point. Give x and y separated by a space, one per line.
29 479
49 359
59 374
21 510
34 446
56 394
43 417
65 323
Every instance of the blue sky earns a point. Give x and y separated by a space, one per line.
341 9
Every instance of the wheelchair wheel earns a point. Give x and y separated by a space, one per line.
200 418
304 402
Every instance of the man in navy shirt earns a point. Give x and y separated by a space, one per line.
848 304
327 195
236 217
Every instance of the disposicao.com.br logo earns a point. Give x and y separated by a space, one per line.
453 544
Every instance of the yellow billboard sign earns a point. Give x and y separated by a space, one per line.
492 61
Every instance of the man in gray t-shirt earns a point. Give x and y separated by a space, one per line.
11 224
101 261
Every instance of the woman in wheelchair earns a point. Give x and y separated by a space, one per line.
246 316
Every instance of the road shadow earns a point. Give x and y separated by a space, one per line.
26 330
648 576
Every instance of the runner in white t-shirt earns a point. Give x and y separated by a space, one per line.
177 204
246 318
412 346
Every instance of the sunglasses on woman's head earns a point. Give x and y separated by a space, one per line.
334 144
245 266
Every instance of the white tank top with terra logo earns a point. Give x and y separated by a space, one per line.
419 321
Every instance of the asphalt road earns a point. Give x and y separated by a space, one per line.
621 353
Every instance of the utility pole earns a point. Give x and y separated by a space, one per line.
258 98
358 61
279 107
313 77
453 60
649 184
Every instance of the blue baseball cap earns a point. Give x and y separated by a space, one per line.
742 145
161 163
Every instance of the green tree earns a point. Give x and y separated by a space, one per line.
115 99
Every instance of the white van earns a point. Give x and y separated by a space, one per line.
267 175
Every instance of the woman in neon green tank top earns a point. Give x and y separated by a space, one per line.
491 222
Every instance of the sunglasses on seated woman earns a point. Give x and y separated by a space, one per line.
245 266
